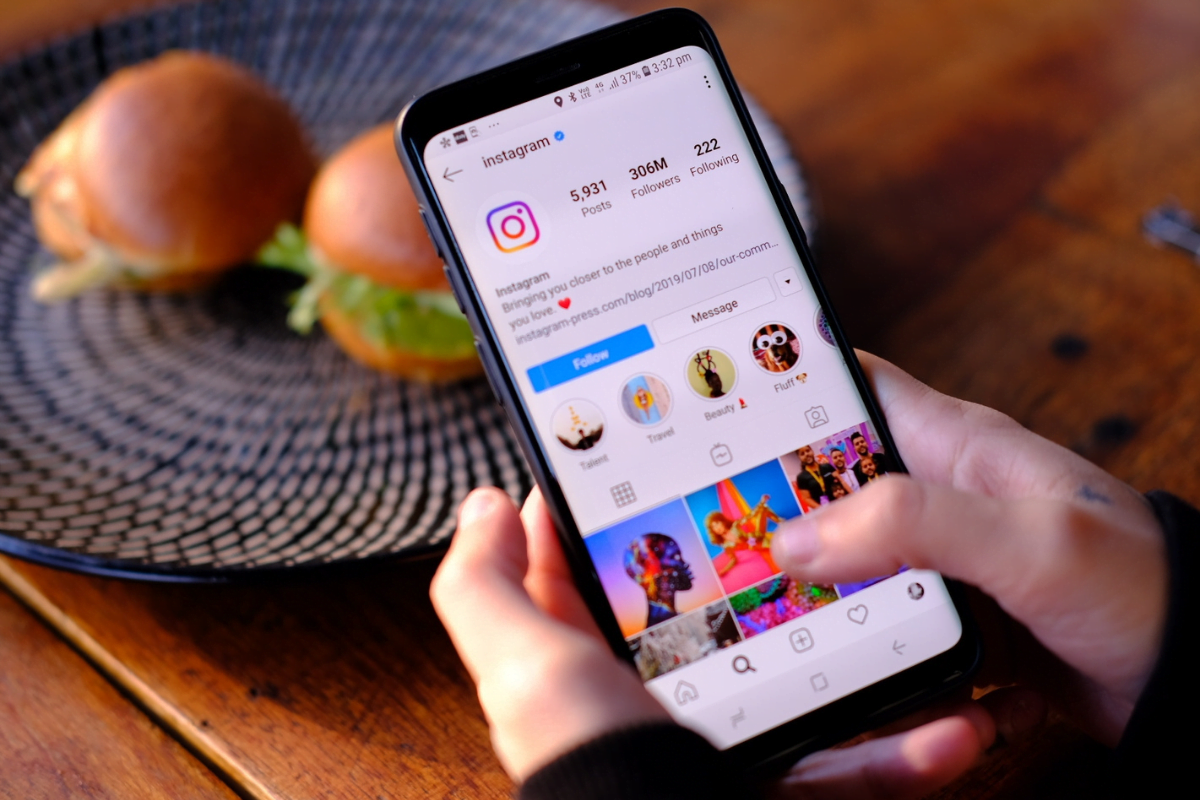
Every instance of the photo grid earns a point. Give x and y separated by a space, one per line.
695 575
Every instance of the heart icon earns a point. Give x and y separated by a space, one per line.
857 615
565 302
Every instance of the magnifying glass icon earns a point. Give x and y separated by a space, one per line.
742 665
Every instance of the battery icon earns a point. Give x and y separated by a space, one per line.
646 71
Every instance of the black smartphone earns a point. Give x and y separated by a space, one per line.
647 311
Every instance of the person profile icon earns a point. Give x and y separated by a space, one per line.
655 563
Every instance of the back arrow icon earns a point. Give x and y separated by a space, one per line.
898 648
448 173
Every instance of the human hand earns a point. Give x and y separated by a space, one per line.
549 682
1070 553
547 679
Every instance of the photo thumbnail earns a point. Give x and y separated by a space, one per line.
684 639
737 534
711 373
578 424
653 567
776 601
776 348
645 399
836 466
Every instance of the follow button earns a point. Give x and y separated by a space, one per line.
591 358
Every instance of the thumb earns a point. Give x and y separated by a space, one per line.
479 587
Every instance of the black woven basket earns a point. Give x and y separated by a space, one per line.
197 438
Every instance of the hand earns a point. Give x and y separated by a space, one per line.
1067 551
549 682
547 679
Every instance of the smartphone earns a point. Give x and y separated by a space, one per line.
647 311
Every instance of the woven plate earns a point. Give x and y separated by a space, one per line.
197 438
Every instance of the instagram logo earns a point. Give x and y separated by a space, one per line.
513 227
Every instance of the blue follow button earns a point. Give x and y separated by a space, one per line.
591 358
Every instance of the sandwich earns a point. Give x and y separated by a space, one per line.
170 172
373 278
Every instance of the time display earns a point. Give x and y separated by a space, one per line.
664 64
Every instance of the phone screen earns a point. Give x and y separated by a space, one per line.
684 386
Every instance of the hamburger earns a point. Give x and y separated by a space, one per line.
374 280
172 171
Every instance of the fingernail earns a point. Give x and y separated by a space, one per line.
478 504
798 543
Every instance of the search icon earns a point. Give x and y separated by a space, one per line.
742 665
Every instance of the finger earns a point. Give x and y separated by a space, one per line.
545 551
480 583
955 443
899 521
549 581
910 764
1050 565
535 516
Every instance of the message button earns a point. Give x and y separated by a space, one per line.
713 310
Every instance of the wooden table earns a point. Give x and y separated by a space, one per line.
981 169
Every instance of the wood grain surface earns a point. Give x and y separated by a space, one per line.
345 687
980 169
65 732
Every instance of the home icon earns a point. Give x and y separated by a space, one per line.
685 692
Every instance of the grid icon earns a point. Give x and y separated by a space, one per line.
623 494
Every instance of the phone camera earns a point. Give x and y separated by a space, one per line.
916 591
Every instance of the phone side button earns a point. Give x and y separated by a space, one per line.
489 369
429 232
454 291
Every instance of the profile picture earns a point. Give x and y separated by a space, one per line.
711 373
578 425
645 399
776 348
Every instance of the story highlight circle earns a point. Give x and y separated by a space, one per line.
578 425
646 399
711 373
776 348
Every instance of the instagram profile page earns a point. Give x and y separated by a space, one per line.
685 386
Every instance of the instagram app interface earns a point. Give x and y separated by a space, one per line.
681 377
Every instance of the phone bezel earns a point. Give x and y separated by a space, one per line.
563 66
